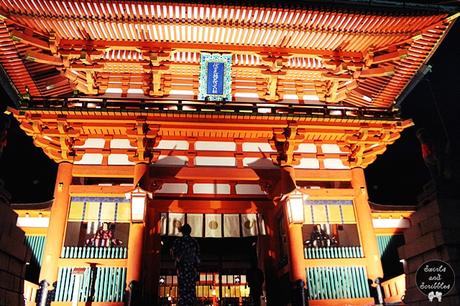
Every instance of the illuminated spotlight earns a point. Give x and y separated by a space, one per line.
237 279
162 280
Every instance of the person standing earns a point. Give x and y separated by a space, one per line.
255 279
186 253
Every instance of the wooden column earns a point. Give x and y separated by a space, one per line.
365 227
57 224
136 236
151 258
295 245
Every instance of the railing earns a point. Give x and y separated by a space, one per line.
30 292
99 284
94 252
36 244
389 243
333 252
394 289
175 105
337 283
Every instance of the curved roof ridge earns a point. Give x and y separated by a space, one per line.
35 205
384 207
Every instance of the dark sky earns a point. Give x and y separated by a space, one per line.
397 177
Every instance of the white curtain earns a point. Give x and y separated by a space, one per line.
164 224
249 225
176 220
262 230
232 225
196 223
213 225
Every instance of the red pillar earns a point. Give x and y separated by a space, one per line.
365 227
136 236
57 224
296 251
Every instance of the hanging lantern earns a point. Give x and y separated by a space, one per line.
138 200
296 208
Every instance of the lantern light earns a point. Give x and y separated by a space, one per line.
138 200
296 208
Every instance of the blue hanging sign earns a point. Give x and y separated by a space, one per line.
215 77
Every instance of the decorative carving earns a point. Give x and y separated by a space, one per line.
145 139
159 64
57 140
365 144
285 142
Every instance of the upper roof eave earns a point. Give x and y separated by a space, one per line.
377 7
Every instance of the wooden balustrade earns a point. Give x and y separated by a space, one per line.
30 292
98 284
333 252
394 289
94 252
178 105
337 283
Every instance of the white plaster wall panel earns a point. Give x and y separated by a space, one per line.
211 188
172 145
181 92
42 222
246 95
215 161
177 188
331 149
90 159
308 163
171 160
114 90
391 223
215 146
261 163
248 189
257 147
334 163
93 143
120 144
139 91
306 148
291 97
119 159
310 97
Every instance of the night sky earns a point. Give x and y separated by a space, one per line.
397 177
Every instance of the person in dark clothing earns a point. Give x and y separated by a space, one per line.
186 253
255 279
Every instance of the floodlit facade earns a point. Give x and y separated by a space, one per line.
251 123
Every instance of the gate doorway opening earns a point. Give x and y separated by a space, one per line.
225 263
